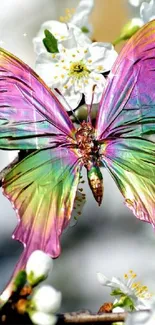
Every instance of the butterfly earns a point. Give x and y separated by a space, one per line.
43 186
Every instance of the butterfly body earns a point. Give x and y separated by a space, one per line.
89 150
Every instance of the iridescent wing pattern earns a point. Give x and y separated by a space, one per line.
31 117
126 123
43 186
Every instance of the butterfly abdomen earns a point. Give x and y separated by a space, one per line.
95 180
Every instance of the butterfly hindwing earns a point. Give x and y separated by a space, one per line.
131 163
42 189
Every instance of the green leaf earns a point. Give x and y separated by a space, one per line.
33 280
50 42
20 281
125 302
85 29
116 292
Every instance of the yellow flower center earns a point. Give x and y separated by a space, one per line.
78 70
139 290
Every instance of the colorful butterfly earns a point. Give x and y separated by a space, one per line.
43 186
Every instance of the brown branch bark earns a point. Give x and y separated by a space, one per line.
9 315
93 318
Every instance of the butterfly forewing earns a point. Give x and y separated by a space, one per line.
127 107
30 114
126 119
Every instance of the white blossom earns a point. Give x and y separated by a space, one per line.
142 317
46 299
135 3
75 71
67 35
40 318
138 293
81 16
38 266
147 11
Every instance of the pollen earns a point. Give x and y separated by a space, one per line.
100 68
68 15
65 86
61 19
131 272
78 70
141 291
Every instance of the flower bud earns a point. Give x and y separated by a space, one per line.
38 266
40 318
46 299
129 29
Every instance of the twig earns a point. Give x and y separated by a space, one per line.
93 318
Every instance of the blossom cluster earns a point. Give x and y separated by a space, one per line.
40 302
75 64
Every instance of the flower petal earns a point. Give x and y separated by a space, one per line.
67 34
38 266
104 280
100 82
40 318
102 55
139 318
46 299
81 16
147 11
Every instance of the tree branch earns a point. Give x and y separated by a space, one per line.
92 318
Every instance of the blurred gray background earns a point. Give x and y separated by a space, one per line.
108 239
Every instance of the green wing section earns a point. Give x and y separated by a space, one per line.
42 189
131 163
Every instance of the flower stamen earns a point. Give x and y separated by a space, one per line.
78 70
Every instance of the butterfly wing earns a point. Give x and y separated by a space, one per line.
43 186
131 162
127 107
30 114
42 189
125 121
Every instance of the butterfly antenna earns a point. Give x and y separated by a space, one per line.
69 107
89 107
